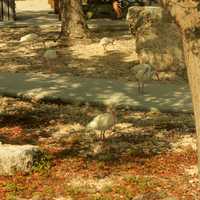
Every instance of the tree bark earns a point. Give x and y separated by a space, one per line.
192 60
73 24
187 16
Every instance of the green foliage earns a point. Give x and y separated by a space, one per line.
122 190
73 191
11 196
101 197
42 163
107 189
13 187
142 182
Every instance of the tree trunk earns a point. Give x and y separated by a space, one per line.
192 60
73 25
187 16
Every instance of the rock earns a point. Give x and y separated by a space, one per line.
158 40
29 37
17 158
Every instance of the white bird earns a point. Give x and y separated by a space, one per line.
104 42
50 55
32 37
103 122
142 73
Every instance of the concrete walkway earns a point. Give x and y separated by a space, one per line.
42 19
159 96
37 13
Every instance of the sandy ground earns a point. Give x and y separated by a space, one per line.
32 5
87 60
144 154
141 145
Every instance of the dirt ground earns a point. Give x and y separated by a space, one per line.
150 156
146 156
79 60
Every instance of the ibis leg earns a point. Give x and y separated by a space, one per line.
139 88
142 88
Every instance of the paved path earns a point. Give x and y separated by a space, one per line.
44 18
161 96
32 5
38 13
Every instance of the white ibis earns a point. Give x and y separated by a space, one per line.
142 73
103 122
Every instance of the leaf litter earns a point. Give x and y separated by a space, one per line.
139 157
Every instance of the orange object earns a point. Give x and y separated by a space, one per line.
117 8
55 4
51 3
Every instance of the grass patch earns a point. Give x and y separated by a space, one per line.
74 190
101 197
42 163
13 187
123 191
107 189
11 196
12 190
107 157
143 183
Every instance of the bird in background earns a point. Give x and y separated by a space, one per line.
105 41
143 73
51 57
32 38
103 122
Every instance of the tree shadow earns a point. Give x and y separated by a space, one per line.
115 149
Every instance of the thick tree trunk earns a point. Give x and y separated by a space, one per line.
192 59
187 16
74 25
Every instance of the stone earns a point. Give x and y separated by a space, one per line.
158 40
29 37
17 158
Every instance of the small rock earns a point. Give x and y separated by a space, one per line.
29 37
